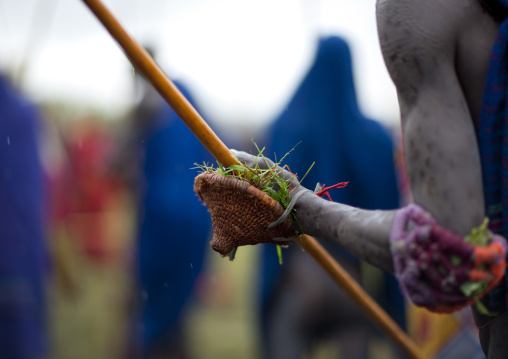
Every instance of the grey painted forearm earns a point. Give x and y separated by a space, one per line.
364 233
420 42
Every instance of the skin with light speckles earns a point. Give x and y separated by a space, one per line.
437 54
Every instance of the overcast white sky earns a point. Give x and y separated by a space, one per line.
241 58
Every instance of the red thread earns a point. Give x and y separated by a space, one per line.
324 190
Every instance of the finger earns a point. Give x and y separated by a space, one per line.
498 268
253 161
488 255
243 157
477 275
450 242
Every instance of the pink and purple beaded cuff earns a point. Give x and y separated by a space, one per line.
432 262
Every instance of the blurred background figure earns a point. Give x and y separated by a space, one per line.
23 255
173 225
93 187
301 306
90 231
131 150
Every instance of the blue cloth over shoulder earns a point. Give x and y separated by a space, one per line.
493 146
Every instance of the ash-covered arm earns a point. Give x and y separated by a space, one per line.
364 233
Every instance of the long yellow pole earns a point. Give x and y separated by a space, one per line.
152 72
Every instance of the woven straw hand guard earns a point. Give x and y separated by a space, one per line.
240 213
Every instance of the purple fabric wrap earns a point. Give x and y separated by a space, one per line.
422 253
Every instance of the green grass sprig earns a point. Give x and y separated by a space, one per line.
479 236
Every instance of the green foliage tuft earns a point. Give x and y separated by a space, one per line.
480 235
266 179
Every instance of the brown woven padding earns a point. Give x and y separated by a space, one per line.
240 212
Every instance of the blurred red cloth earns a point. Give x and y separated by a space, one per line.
83 189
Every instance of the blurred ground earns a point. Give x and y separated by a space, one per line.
91 292
89 299
225 325
89 302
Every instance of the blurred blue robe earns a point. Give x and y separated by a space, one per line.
23 254
174 224
324 116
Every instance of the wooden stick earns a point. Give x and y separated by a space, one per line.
147 66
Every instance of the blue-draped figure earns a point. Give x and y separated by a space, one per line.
325 117
174 229
23 252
